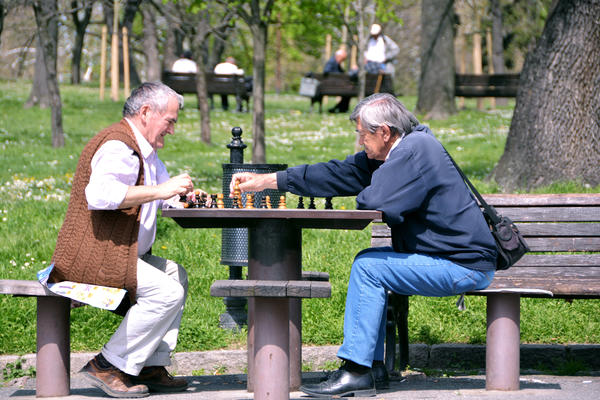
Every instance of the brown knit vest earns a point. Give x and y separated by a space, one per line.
99 246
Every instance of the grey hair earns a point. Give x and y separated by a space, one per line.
154 94
384 109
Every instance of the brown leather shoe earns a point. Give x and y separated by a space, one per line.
159 380
112 381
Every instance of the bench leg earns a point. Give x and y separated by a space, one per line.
53 360
503 341
397 318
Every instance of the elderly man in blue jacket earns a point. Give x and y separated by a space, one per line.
442 245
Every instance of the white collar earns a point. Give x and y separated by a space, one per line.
145 147
396 143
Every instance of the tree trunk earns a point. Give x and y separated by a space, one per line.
170 48
2 13
436 83
555 131
80 28
131 8
497 43
46 16
39 95
199 39
153 72
259 41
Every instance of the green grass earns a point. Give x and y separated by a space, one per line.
35 182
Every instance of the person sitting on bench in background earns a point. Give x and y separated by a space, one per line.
185 64
334 66
228 67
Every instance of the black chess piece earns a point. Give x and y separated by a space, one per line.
328 203
235 202
263 202
300 203
311 205
213 200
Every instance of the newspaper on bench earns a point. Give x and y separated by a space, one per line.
107 298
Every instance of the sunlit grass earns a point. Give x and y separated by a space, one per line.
35 182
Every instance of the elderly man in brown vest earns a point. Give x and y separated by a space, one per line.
107 236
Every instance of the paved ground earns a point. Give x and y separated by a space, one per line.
414 387
201 369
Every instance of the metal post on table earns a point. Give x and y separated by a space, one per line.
234 243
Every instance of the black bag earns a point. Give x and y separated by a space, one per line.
510 243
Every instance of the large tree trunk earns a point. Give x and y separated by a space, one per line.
46 16
80 28
259 41
555 131
436 83
39 95
151 44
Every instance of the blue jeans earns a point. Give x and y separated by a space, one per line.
377 270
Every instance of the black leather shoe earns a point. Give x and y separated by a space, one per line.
380 375
343 383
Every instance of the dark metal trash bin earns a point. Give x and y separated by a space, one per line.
234 241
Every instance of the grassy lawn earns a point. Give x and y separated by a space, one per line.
35 183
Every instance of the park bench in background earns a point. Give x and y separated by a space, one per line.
486 85
335 84
235 85
563 232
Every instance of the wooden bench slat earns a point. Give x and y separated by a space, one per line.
558 260
23 288
551 214
264 288
529 200
529 229
563 243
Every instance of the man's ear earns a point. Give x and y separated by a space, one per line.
386 133
144 113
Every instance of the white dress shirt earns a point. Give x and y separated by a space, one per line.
114 168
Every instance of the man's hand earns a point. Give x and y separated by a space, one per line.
251 182
178 185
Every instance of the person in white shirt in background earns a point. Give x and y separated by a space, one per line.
132 363
381 52
228 67
185 64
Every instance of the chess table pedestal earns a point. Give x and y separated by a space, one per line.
274 324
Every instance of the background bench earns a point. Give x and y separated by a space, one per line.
486 85
343 85
563 232
235 85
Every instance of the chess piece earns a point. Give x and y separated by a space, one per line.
311 205
328 203
220 202
300 203
237 194
282 204
213 200
249 200
263 202
199 200
268 201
